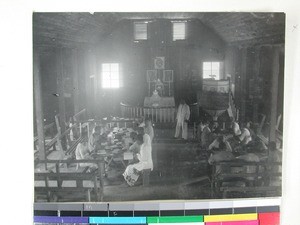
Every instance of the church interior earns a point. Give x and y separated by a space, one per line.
157 106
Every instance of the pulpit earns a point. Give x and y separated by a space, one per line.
215 97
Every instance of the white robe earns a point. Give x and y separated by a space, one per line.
245 136
236 129
145 162
149 130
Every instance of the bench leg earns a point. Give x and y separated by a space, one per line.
88 195
146 177
48 196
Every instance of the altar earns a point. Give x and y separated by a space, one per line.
157 101
159 105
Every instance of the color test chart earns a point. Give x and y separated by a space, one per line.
236 212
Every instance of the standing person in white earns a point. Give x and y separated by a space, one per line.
183 115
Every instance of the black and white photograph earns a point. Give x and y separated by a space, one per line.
136 106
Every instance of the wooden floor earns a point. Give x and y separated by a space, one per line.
180 172
176 163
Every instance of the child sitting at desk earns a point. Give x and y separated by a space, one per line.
98 135
82 152
131 174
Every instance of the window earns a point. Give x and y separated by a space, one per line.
110 75
179 30
140 31
211 70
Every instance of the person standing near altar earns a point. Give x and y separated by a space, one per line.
183 116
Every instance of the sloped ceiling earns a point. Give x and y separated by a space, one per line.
73 29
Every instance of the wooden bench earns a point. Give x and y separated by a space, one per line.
70 145
253 176
263 191
60 190
61 182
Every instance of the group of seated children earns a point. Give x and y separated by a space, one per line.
88 145
141 148
237 145
211 136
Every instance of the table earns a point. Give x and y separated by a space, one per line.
115 148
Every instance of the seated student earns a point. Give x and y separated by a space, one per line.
82 152
239 142
135 147
215 128
220 143
146 137
131 173
94 138
73 130
235 127
149 129
256 144
205 135
245 136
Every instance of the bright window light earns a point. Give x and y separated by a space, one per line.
179 30
211 70
110 75
140 31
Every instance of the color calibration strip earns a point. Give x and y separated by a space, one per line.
236 219
236 212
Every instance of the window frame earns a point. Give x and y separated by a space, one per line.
211 69
185 29
134 30
103 78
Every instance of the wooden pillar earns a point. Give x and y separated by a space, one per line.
256 70
87 81
274 93
91 69
95 84
60 91
243 84
38 103
75 81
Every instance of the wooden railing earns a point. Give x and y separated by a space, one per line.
58 135
81 115
156 114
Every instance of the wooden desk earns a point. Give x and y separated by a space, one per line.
60 180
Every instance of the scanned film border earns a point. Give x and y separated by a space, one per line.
157 106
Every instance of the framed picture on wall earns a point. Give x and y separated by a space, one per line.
168 76
159 63
151 75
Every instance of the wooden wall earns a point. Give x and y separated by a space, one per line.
78 70
254 69
65 75
184 57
